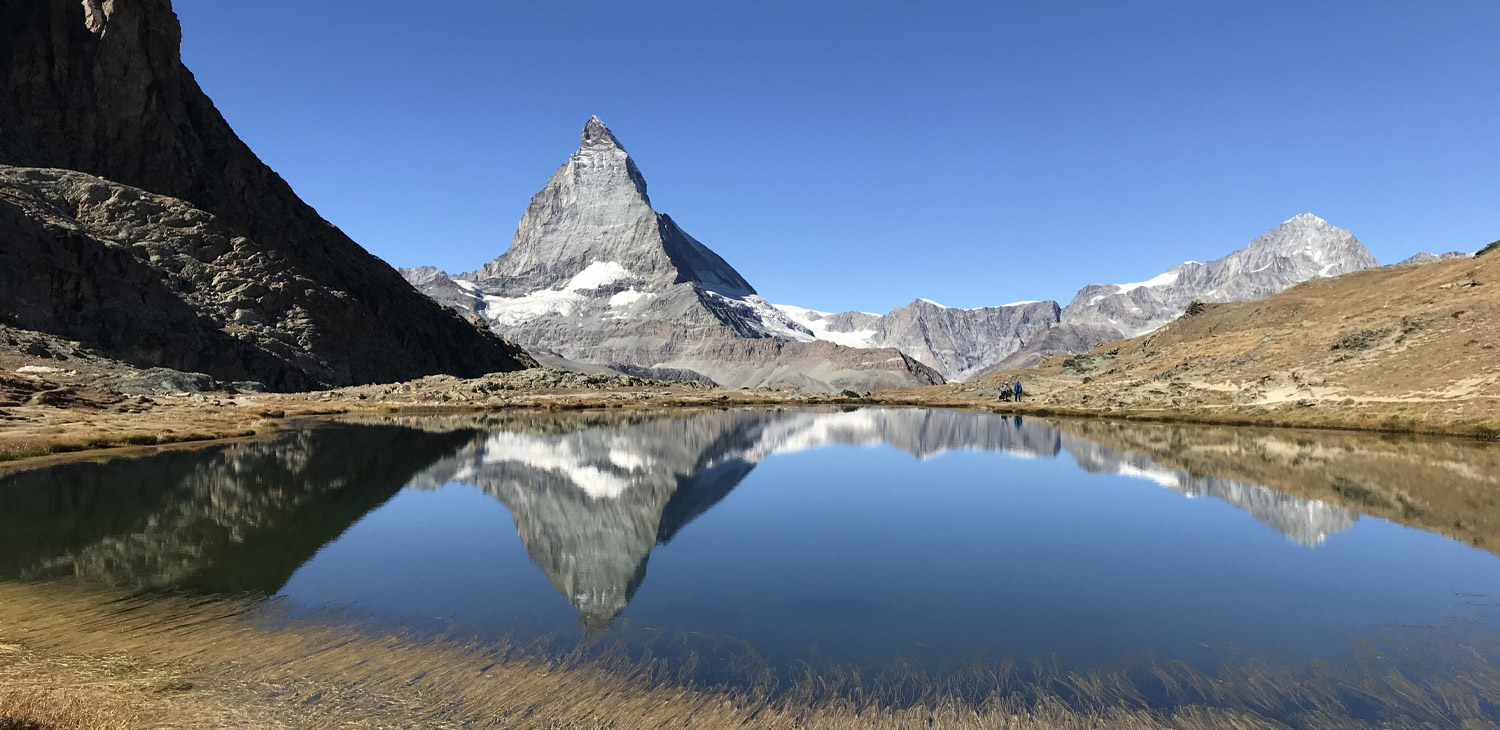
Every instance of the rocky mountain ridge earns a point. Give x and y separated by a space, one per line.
136 221
1429 258
964 344
1301 248
958 343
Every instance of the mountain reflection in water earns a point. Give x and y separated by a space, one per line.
591 504
591 495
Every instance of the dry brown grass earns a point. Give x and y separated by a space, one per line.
101 660
101 692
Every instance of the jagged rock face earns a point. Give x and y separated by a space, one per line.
595 209
959 343
1057 339
99 87
153 281
596 275
1302 248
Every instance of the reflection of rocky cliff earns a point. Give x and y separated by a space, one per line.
591 498
239 518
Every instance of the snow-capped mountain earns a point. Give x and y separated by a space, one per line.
1302 248
963 344
596 275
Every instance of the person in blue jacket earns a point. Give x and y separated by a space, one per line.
1016 391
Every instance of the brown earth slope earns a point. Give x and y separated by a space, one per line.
1409 348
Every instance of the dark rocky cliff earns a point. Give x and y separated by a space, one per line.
99 87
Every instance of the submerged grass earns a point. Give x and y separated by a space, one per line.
73 657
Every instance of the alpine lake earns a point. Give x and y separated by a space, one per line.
774 545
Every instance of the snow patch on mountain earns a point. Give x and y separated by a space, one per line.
563 301
597 274
626 298
1163 279
818 324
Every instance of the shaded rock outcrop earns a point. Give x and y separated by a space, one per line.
99 87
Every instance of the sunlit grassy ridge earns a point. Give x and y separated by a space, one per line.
209 663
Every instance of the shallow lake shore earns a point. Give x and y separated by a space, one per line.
77 654
88 424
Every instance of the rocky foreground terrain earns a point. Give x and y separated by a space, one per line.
135 221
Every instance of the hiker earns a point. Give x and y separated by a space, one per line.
1016 391
1004 394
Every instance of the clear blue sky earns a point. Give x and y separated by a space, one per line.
857 155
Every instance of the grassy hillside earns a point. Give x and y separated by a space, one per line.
1413 347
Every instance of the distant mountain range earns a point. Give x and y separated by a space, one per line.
595 275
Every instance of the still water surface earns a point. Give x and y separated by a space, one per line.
855 536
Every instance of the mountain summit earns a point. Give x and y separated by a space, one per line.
594 211
595 134
595 274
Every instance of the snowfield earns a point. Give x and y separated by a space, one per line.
817 323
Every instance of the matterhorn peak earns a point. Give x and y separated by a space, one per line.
1305 219
595 135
